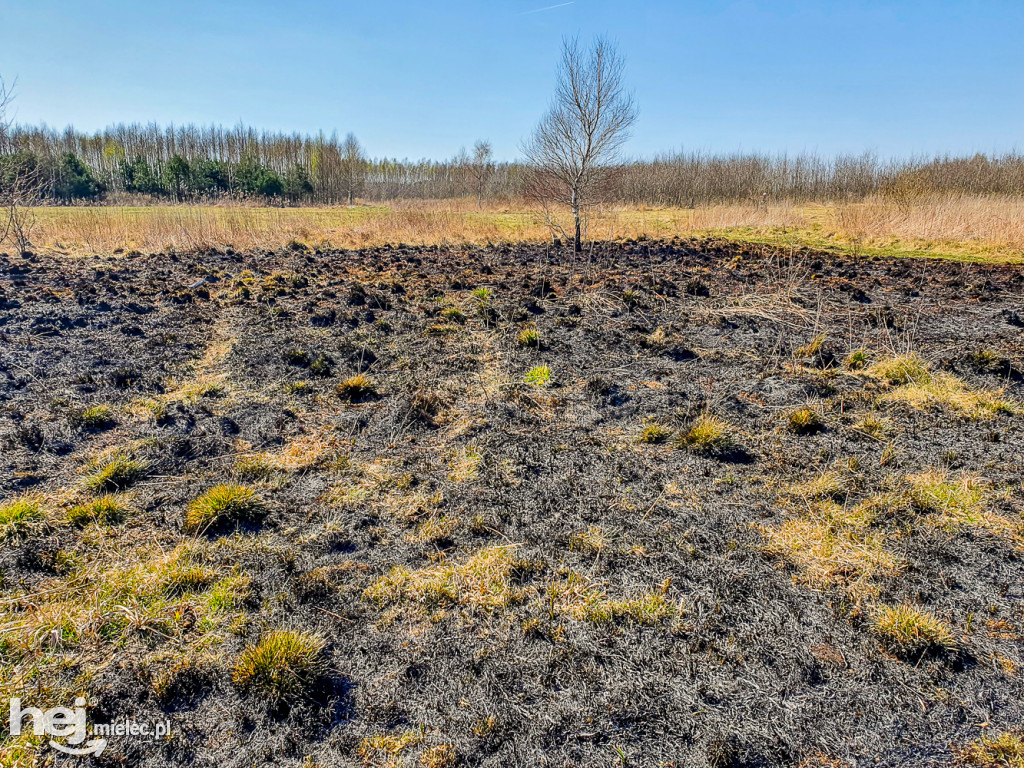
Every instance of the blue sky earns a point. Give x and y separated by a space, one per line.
421 79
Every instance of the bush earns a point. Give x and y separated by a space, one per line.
282 666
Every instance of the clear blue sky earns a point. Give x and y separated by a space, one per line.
420 79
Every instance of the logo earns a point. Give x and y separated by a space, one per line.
69 729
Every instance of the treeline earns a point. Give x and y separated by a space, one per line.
191 163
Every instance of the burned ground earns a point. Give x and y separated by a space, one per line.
690 503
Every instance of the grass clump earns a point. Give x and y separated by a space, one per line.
356 388
482 294
874 426
592 541
17 517
107 509
94 417
856 360
812 347
528 337
655 433
388 745
484 580
223 505
645 610
255 467
538 376
805 421
454 315
907 630
115 472
903 369
828 553
1004 751
440 756
920 388
708 434
282 665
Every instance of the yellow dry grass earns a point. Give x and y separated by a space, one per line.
971 228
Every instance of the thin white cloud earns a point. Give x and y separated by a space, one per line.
548 8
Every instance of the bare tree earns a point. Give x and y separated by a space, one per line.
19 181
573 149
481 168
353 167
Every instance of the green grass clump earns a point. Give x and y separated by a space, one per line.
905 369
115 472
454 315
17 517
356 388
805 421
529 337
812 347
708 434
223 505
654 433
907 630
646 610
539 376
282 665
94 417
856 360
107 509
482 294
322 366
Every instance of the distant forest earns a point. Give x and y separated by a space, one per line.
137 163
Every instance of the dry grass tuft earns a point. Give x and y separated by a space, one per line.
115 471
357 388
708 434
223 505
282 666
1003 751
907 630
805 421
919 388
108 509
18 517
484 581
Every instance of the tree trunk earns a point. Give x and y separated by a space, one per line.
576 245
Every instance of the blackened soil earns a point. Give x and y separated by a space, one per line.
760 668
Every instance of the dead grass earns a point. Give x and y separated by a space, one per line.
974 228
919 388
1003 751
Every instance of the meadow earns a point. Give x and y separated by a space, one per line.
978 228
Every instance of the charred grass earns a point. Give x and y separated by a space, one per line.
665 503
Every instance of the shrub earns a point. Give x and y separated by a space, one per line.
805 421
223 505
282 665
357 388
539 376
907 630
16 517
708 434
